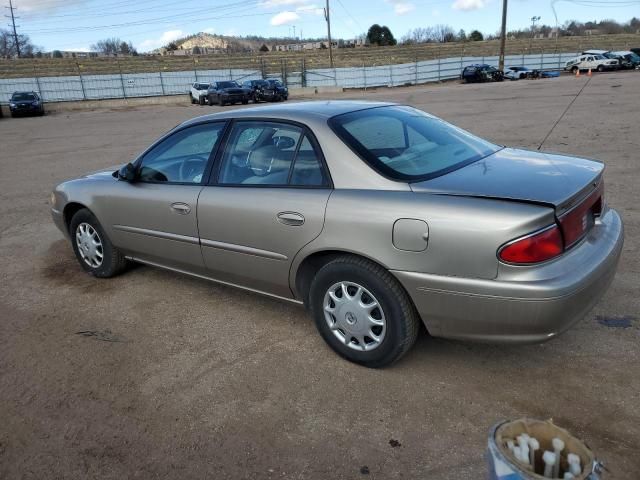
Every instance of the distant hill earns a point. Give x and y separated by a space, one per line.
251 43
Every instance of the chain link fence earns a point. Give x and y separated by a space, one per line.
92 86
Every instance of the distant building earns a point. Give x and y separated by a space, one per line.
76 54
300 46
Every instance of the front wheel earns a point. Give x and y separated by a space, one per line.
201 100
362 312
600 68
92 247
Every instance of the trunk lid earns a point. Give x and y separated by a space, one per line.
520 175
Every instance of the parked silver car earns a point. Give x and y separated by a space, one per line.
375 216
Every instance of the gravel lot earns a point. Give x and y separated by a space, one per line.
204 381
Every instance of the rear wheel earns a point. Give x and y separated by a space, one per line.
362 312
600 68
94 251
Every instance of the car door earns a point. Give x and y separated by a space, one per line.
266 201
154 218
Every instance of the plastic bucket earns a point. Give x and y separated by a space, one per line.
503 465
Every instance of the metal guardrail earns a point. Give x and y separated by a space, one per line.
129 85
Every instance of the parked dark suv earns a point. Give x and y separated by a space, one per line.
481 73
228 92
270 90
22 103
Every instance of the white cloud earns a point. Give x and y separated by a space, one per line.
310 9
469 4
34 6
166 37
282 3
283 18
435 13
401 7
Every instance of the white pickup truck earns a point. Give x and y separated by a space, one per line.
199 92
593 62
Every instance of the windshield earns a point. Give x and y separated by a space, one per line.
23 96
202 86
275 83
600 57
228 85
407 144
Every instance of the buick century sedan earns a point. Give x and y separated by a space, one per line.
377 217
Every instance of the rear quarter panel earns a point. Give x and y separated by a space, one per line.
464 232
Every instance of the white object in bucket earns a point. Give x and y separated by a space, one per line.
549 459
574 464
523 442
568 476
534 445
558 446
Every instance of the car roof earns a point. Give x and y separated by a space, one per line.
597 52
296 111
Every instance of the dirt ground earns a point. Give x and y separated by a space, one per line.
183 378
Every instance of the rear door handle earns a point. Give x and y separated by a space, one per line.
181 208
291 218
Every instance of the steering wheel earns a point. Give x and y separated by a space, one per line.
191 168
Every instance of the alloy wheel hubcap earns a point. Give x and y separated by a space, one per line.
354 316
89 245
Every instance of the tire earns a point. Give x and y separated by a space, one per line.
400 322
600 68
201 100
574 70
211 100
221 102
83 224
245 101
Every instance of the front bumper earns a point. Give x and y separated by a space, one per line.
58 220
523 304
26 109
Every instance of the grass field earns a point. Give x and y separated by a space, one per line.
278 62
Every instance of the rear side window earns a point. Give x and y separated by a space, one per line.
271 154
404 143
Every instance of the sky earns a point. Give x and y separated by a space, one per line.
149 24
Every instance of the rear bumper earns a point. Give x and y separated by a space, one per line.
523 304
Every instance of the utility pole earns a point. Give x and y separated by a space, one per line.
13 24
534 19
503 35
327 17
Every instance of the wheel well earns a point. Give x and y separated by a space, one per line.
69 211
310 266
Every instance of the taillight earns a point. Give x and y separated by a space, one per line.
577 221
533 248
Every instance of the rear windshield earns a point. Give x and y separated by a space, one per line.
23 96
404 143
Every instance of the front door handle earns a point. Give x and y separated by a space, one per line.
181 208
291 218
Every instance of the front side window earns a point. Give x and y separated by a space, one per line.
404 143
270 154
181 157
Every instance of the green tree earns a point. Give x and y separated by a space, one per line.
56 54
380 35
462 35
476 36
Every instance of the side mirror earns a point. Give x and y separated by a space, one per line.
127 173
